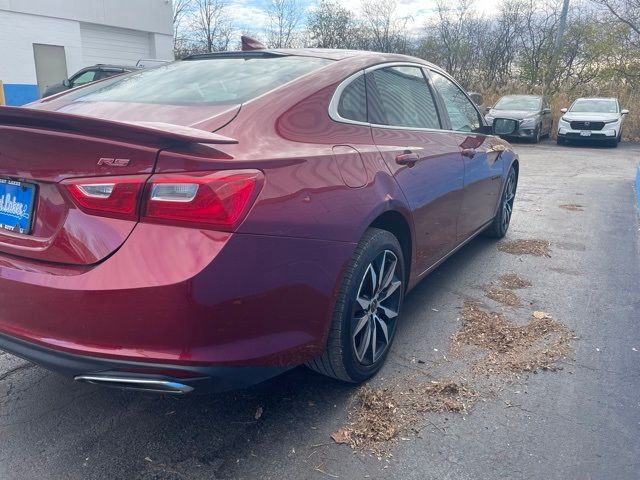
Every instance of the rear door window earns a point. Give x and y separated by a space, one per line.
401 97
463 115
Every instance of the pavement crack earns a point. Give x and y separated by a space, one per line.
23 366
602 370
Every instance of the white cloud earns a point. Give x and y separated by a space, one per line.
248 17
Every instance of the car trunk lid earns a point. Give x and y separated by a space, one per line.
41 150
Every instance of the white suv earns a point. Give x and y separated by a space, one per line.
592 119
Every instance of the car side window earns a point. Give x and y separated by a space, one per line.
402 98
353 101
85 77
104 74
463 115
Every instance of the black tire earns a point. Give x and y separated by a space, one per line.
342 358
501 221
560 141
536 135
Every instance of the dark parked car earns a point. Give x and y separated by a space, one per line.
87 75
591 119
532 111
212 222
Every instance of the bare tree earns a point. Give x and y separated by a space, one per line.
383 30
180 10
626 11
285 16
332 26
212 28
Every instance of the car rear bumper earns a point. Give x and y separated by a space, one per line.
147 376
179 297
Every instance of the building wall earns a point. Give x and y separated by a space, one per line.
60 22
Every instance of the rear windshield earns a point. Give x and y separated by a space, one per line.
204 81
518 103
594 106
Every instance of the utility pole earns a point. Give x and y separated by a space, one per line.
557 46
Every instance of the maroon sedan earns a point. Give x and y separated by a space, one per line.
212 222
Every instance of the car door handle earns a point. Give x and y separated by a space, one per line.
407 158
469 152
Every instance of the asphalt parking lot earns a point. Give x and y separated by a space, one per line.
580 422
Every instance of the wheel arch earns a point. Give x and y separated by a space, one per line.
397 224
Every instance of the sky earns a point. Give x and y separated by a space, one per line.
250 14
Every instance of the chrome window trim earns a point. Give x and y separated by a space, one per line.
335 99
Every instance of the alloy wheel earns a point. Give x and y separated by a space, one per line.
376 308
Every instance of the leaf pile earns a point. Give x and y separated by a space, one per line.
537 248
514 282
380 415
572 207
506 297
511 348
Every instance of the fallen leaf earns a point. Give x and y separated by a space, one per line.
258 413
342 436
541 315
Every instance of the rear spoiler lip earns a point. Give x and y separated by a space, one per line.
140 132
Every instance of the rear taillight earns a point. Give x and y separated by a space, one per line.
218 200
116 197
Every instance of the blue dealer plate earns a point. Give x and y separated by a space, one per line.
16 205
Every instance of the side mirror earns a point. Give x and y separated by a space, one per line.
546 110
504 126
67 83
563 110
624 112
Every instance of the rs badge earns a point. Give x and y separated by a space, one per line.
114 162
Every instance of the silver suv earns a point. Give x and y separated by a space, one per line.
592 119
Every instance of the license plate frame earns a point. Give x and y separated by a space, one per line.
17 202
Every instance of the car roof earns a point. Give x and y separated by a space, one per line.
522 95
607 99
328 53
108 65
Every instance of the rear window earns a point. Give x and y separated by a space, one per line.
206 81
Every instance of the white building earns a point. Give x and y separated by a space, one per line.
42 42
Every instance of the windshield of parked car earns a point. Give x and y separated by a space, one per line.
518 103
208 81
594 105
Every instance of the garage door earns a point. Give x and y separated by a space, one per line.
120 46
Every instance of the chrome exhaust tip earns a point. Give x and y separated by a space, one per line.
133 383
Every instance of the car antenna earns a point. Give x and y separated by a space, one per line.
249 43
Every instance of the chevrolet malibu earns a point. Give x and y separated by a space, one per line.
597 119
215 221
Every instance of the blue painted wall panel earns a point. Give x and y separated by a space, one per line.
17 94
